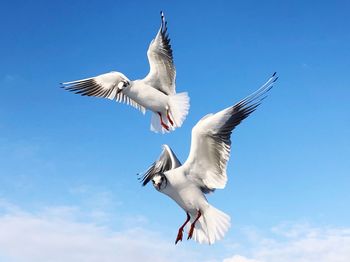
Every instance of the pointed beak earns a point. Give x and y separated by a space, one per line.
157 186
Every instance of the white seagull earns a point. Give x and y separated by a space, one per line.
204 170
155 92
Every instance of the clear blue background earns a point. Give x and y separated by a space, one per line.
289 161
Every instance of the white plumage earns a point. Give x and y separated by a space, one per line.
204 170
156 92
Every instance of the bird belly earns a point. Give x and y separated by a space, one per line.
189 198
148 97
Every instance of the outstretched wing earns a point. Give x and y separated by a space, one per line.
166 161
160 56
105 86
211 141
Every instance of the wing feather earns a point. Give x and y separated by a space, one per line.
211 141
166 161
160 56
104 86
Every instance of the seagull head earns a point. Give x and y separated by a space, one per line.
159 181
123 82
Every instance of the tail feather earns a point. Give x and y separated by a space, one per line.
179 105
211 226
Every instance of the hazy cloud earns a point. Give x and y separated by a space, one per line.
53 234
298 243
237 258
57 234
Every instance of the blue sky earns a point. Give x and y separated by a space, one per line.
70 162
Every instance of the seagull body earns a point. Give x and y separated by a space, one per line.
147 96
156 92
204 170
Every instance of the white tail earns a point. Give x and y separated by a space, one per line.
211 226
179 105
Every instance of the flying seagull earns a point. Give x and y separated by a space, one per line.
156 92
204 170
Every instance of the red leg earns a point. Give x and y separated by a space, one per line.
162 123
168 116
193 224
181 229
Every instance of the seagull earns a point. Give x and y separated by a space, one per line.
156 92
204 170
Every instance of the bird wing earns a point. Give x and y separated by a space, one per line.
160 56
105 85
211 141
166 161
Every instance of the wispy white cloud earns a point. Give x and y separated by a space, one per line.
238 258
95 197
100 205
298 242
59 234
54 234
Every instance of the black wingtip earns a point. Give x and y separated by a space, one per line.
275 79
141 179
274 74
